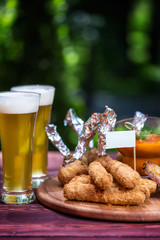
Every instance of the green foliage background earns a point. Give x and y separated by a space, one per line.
81 47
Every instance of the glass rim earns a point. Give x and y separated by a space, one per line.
19 102
46 92
37 86
129 119
11 94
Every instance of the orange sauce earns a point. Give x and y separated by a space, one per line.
146 150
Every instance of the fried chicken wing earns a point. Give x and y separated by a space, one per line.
152 170
81 188
99 175
123 174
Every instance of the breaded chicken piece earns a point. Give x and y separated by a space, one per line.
119 156
123 196
72 169
86 179
82 189
123 173
153 171
152 186
140 187
92 155
143 187
99 175
85 159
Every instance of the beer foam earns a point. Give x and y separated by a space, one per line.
46 91
18 102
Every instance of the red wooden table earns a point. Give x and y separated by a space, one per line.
36 221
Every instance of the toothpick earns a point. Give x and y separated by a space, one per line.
134 154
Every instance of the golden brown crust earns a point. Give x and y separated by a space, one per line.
82 188
92 155
123 174
85 159
99 175
124 196
69 171
153 171
151 185
119 156
89 187
86 179
85 190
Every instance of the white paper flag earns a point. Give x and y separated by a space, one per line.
120 139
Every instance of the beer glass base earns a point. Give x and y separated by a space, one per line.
18 198
36 181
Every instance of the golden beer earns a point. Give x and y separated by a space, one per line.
40 141
16 148
17 119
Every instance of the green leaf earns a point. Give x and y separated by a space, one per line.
143 134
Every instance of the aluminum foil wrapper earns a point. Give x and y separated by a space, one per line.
88 133
139 120
107 124
54 137
76 123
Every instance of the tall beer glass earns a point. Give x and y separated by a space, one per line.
17 120
40 142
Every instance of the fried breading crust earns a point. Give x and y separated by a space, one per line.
69 171
81 188
151 185
153 171
123 173
119 156
99 175
92 155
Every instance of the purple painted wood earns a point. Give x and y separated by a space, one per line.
35 220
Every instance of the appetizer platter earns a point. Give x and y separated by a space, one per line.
92 184
50 194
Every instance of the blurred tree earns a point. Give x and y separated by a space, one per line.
120 52
83 49
32 52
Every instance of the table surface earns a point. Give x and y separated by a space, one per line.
37 221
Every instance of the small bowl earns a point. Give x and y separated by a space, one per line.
147 144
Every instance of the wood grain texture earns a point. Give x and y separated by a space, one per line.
50 193
35 221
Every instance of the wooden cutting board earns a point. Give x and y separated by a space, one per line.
50 194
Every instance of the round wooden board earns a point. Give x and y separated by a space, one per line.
50 194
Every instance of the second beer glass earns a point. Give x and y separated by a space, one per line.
40 142
17 118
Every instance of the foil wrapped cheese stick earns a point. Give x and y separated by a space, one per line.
139 120
76 123
70 167
55 138
107 124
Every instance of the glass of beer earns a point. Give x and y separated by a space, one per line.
17 120
40 141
